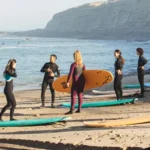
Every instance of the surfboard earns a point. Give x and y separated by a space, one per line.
34 122
93 79
113 92
102 104
107 95
120 122
147 85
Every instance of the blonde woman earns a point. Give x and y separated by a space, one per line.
77 88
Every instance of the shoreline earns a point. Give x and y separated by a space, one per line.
130 79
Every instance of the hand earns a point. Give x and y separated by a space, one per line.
49 70
52 74
67 85
142 67
119 72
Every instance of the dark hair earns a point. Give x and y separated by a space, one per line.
120 56
54 56
9 65
140 51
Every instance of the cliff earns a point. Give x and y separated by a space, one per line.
115 19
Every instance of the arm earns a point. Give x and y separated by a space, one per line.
43 69
12 73
84 68
70 73
58 72
120 65
144 61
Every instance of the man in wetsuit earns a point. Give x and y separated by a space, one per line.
50 68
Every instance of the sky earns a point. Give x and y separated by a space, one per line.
22 15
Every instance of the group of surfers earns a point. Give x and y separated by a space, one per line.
51 70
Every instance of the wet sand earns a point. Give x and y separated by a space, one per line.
73 134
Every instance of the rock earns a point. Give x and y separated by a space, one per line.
118 135
37 115
30 109
89 138
112 138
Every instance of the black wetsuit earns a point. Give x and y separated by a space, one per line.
118 79
49 80
141 62
8 91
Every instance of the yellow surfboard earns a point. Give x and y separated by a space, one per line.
120 122
93 79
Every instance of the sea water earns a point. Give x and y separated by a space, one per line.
32 53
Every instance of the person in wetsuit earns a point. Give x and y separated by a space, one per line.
8 90
118 74
49 68
76 73
141 62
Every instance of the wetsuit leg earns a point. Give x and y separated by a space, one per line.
141 80
52 90
80 89
6 106
44 87
13 105
117 86
120 86
80 100
73 98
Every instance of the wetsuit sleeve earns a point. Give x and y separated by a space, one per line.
144 61
84 68
58 72
43 69
120 65
12 73
71 72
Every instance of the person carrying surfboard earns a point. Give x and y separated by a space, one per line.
141 62
76 72
49 68
9 73
118 74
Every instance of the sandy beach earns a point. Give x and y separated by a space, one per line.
73 134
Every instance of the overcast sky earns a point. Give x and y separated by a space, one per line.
16 15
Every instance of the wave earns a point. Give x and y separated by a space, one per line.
8 47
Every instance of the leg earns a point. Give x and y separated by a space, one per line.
13 106
52 92
5 107
141 81
116 85
80 100
80 88
44 86
120 87
73 99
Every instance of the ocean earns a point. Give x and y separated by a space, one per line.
32 53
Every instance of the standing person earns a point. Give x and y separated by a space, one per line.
141 62
9 73
76 72
118 74
50 68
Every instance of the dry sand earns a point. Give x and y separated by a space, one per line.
73 134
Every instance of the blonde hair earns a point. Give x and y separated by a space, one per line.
78 58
